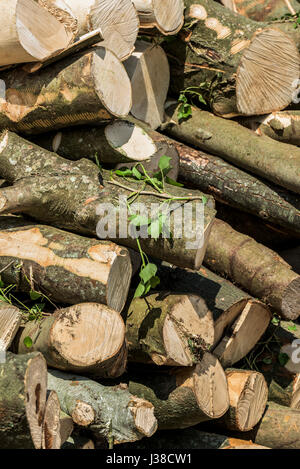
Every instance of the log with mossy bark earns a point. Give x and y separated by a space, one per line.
166 16
231 61
183 397
283 126
111 413
256 268
117 20
23 387
168 329
91 86
88 338
275 161
79 197
239 319
64 266
263 10
29 33
10 320
149 73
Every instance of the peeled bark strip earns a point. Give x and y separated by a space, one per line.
283 126
29 33
168 329
256 268
262 10
23 387
232 61
248 395
85 338
51 424
110 412
261 155
149 73
185 397
167 16
10 320
69 195
92 86
64 266
239 319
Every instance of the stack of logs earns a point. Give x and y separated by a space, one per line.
85 89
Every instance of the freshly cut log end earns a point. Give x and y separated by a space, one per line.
267 73
10 320
167 16
62 13
119 280
143 414
149 72
83 414
30 33
51 423
290 305
262 10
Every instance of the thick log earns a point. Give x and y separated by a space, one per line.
168 329
10 320
23 387
91 86
66 267
239 319
260 155
112 413
283 126
86 338
117 20
71 195
29 33
185 396
231 61
166 16
149 73
51 438
262 10
256 268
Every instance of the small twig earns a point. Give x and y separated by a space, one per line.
6 267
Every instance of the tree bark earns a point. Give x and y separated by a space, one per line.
70 195
10 320
256 268
166 16
51 438
260 155
231 61
86 338
110 412
149 72
185 397
262 10
91 86
29 33
66 267
168 329
66 427
23 386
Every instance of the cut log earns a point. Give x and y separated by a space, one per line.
166 16
248 395
239 319
117 20
85 338
149 73
283 126
168 329
260 155
62 13
263 10
23 387
66 426
29 33
92 86
66 267
51 425
256 268
185 396
71 195
232 61
10 320
110 412
235 187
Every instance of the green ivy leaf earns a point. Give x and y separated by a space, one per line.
139 220
154 281
267 360
123 172
136 173
292 328
283 358
140 290
172 182
164 163
34 295
27 342
148 272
